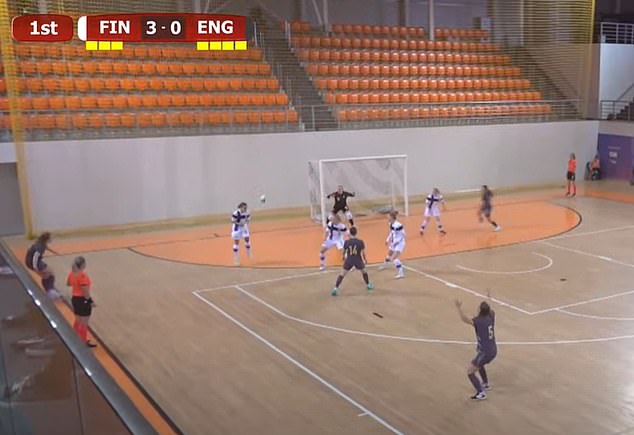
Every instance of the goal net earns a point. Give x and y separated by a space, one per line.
379 184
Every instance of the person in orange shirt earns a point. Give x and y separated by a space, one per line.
571 175
80 283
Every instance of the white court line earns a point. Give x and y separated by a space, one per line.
590 316
468 290
519 272
589 233
588 301
589 254
417 339
348 331
267 281
302 367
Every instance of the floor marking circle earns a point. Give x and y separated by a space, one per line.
518 272
424 339
591 316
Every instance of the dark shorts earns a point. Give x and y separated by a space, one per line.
482 358
81 306
336 210
571 176
356 262
39 267
486 211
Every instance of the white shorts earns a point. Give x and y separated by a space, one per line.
347 214
241 233
435 212
398 247
329 243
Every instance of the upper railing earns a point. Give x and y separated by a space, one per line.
617 110
349 117
617 33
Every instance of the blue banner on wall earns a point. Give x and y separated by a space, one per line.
617 156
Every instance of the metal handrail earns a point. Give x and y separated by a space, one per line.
624 95
112 393
617 110
617 33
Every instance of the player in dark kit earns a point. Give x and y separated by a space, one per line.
486 208
341 203
354 256
34 260
484 324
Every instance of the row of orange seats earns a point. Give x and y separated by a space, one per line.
314 55
360 69
400 113
428 97
146 68
83 85
403 31
390 44
74 102
133 51
152 119
376 30
460 33
395 84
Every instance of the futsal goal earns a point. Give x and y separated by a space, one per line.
379 184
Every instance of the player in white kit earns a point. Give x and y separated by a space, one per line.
396 244
335 237
240 230
433 203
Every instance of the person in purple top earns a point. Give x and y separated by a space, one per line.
484 324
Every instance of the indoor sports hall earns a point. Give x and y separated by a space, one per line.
196 199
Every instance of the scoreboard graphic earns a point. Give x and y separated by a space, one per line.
109 32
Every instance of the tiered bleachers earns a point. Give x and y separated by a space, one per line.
385 73
66 89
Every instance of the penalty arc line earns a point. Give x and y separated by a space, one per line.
468 290
302 367
593 317
424 339
519 272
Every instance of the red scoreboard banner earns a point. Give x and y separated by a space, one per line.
42 28
162 27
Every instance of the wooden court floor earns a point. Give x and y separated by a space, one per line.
264 349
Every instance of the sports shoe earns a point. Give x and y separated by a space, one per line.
90 344
422 232
400 274
370 287
384 265
487 387
334 292
322 267
443 232
497 229
480 396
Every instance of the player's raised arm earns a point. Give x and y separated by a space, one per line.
351 194
461 313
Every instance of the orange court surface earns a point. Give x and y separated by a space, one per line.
263 348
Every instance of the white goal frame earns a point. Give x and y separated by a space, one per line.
322 194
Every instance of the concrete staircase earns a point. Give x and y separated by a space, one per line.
312 110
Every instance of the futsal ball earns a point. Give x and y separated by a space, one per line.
262 199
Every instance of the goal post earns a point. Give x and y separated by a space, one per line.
379 184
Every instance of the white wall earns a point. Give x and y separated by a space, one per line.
78 184
616 70
10 205
7 152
